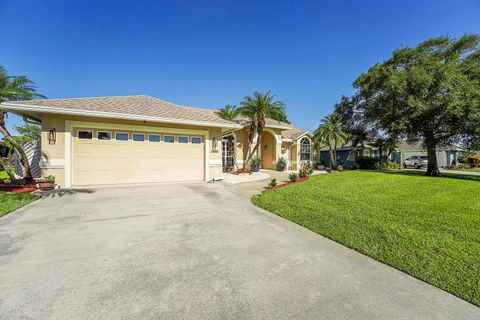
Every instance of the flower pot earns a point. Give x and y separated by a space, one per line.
320 167
280 168
256 168
46 186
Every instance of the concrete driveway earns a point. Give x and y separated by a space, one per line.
192 251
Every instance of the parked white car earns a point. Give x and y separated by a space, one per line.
416 161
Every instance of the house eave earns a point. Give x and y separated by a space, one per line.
112 115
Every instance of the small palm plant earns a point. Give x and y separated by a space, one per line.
331 133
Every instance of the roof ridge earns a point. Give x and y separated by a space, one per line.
78 98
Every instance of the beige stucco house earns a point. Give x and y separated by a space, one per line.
141 139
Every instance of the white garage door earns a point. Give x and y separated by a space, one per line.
122 157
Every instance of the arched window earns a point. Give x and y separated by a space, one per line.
305 149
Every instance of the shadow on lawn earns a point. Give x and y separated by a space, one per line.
442 175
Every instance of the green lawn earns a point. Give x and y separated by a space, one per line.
474 170
10 201
427 227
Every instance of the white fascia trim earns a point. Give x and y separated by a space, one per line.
277 127
287 140
123 116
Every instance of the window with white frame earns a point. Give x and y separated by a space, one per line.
305 149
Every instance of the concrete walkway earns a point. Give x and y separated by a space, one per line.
192 251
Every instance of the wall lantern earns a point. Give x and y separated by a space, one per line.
52 136
214 143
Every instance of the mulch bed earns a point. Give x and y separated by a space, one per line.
289 183
15 188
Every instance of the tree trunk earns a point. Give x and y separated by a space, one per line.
251 134
332 158
432 169
17 148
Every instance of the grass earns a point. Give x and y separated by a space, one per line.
10 201
3 175
427 227
474 169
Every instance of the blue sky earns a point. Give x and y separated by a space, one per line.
212 53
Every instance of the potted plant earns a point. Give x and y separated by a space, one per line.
320 166
47 183
281 164
256 164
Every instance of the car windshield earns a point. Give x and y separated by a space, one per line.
424 157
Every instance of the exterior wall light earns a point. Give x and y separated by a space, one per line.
214 143
52 136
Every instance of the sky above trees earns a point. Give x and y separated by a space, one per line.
212 53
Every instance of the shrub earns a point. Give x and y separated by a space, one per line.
281 164
304 170
462 166
368 163
354 166
292 177
473 161
340 168
328 169
273 182
464 157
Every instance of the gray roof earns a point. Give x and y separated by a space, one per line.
141 106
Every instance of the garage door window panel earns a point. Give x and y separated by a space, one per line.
85 134
104 135
182 139
121 136
169 139
154 137
138 137
196 140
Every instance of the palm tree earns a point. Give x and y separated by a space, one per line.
14 88
256 108
230 113
331 133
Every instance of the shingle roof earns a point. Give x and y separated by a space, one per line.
143 106
293 133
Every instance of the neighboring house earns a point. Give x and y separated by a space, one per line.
345 156
141 139
445 156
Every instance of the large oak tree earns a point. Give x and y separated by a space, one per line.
429 93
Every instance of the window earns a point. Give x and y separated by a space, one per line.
121 136
154 138
169 139
103 135
304 149
182 139
139 137
196 140
84 134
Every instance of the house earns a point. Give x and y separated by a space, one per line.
347 155
141 139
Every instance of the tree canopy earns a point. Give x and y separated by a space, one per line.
428 93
